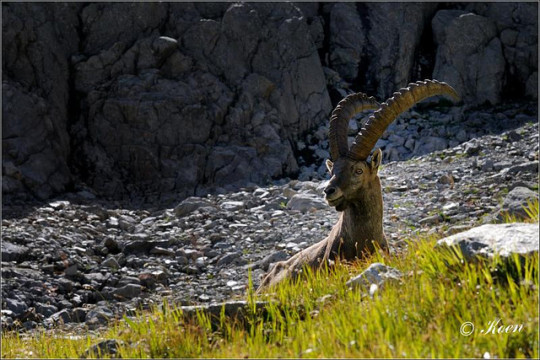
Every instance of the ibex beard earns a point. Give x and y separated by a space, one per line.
354 188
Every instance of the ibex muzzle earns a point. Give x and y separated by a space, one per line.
355 188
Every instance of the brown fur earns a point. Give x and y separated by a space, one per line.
355 191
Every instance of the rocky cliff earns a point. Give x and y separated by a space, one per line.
167 100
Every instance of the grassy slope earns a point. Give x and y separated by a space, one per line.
320 317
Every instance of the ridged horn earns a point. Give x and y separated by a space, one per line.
339 121
400 101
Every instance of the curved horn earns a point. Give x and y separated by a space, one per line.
400 101
339 121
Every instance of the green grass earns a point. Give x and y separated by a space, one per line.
319 316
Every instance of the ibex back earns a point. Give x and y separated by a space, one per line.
355 188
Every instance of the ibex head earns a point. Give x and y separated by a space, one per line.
352 172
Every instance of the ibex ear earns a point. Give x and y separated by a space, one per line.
329 165
376 160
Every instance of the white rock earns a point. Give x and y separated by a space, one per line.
505 239
377 274
233 205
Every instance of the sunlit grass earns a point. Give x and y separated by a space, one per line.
531 209
319 316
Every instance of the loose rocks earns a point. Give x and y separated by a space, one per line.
69 254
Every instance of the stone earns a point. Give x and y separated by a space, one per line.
232 257
71 270
46 309
377 274
431 220
196 145
100 315
128 291
531 87
489 239
517 25
110 262
142 246
429 144
13 252
272 258
515 201
530 167
112 245
62 316
233 205
105 348
79 314
472 148
306 202
189 205
18 307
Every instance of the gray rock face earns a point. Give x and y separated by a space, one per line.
217 110
37 42
395 34
159 101
504 239
380 38
517 24
347 40
469 55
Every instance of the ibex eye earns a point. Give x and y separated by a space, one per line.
359 171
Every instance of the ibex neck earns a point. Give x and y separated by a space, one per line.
362 221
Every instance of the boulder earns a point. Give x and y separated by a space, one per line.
515 202
489 239
306 202
191 204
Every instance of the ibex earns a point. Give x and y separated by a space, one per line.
354 188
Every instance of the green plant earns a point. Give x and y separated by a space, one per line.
531 210
319 316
